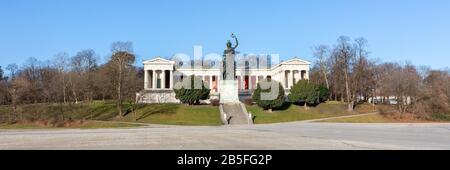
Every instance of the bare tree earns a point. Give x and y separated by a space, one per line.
47 82
362 70
403 83
408 87
3 87
121 65
102 82
15 87
73 86
435 94
321 53
82 79
61 65
32 76
345 55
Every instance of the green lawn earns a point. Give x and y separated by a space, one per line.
85 125
100 125
375 118
173 114
98 113
97 110
22 126
298 113
378 118
176 114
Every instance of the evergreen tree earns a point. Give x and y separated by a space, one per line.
324 93
268 98
1 73
304 91
191 91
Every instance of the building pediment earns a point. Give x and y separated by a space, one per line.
158 60
296 61
292 64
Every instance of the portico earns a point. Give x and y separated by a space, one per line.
160 76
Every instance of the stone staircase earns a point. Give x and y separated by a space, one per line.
235 113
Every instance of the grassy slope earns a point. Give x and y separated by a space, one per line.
376 118
86 125
175 114
298 113
96 110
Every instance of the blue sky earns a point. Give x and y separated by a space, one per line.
397 30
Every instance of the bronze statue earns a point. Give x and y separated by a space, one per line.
230 49
229 65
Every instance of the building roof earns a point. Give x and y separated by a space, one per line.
293 61
158 60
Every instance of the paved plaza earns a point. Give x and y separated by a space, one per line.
295 135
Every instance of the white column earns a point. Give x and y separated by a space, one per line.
218 82
203 79
171 79
154 79
290 79
295 77
250 82
238 79
146 79
307 74
210 82
301 75
163 79
241 78
283 79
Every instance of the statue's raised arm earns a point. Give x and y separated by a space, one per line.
235 38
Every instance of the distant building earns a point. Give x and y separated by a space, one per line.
161 75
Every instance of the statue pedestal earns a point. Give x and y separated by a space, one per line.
229 91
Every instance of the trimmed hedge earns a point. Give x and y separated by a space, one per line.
191 90
268 99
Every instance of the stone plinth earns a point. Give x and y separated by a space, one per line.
157 96
229 91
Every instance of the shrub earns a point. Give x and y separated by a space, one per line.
304 91
248 101
55 122
324 93
268 98
191 91
215 102
382 111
